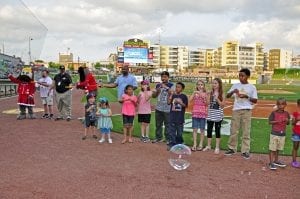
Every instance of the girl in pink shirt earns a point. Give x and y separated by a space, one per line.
200 100
144 110
129 102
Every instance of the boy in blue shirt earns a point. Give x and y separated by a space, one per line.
178 102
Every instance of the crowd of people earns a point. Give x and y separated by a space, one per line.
207 106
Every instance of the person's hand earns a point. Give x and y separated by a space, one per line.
236 91
243 96
100 84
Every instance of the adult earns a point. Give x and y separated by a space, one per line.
63 94
245 95
87 81
122 81
162 110
44 83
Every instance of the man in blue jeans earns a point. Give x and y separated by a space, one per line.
179 102
162 110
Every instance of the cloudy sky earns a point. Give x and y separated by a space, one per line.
92 29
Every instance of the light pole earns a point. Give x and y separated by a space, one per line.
29 52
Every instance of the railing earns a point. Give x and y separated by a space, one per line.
8 90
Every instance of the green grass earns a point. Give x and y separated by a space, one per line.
260 132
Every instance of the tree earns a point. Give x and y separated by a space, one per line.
53 65
97 65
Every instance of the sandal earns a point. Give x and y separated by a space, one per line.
130 140
199 148
124 141
207 148
194 148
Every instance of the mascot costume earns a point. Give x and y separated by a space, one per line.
26 89
87 82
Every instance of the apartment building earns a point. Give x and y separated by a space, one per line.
246 57
296 61
279 58
155 49
175 57
197 58
259 56
230 55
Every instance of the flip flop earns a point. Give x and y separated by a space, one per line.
199 148
124 141
194 148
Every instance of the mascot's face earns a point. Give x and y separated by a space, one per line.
24 78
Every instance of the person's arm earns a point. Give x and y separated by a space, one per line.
184 102
221 103
170 98
148 95
231 92
134 83
111 85
156 92
109 113
13 79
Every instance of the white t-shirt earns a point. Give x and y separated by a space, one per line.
243 103
43 89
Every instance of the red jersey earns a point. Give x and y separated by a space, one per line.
296 128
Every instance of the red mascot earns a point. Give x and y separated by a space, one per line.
87 81
26 89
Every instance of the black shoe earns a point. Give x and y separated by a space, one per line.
68 119
142 138
51 116
229 152
95 137
45 116
146 139
246 155
59 118
157 140
83 138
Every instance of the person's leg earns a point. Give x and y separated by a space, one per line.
276 156
179 131
271 156
108 137
295 150
143 129
210 125
59 104
158 125
172 134
194 139
68 104
234 130
45 110
22 114
166 124
125 134
246 128
130 129
218 136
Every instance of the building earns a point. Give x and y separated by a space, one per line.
209 58
155 61
266 61
197 58
66 59
11 63
217 57
175 57
296 61
230 55
247 57
259 56
279 58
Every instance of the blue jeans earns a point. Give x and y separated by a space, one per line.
175 134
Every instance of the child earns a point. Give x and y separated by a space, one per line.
128 101
104 120
46 94
26 90
245 95
296 134
215 113
90 116
199 100
179 102
278 119
162 110
144 110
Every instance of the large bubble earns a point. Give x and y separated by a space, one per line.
178 157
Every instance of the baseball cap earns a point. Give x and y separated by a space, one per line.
62 67
103 100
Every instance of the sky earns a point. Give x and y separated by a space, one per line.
92 29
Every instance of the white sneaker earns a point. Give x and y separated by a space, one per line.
101 140
110 141
207 148
217 150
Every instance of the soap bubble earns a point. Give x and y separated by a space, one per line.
178 157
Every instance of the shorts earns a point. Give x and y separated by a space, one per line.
128 120
276 143
198 123
296 138
144 118
105 130
47 100
89 122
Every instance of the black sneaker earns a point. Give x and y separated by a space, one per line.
229 152
68 119
45 116
51 116
146 139
142 138
59 118
272 166
95 137
83 138
279 164
157 140
246 155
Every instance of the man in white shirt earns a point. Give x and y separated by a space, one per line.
245 95
46 93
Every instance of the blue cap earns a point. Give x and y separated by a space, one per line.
103 100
